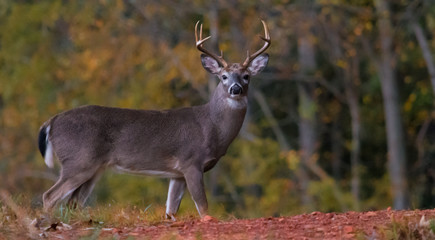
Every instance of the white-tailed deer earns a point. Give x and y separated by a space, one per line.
180 144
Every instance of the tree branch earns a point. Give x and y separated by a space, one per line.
283 143
427 54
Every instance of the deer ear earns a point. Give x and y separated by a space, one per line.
258 64
210 64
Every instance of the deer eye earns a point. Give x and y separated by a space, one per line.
246 77
224 77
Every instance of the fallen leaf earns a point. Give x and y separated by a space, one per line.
52 227
371 214
177 224
349 236
208 218
348 229
64 226
115 231
423 222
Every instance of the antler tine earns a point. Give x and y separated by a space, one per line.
200 41
266 40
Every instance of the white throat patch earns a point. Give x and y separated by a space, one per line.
237 103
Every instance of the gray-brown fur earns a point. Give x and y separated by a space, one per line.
180 144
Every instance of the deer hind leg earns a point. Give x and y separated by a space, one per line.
81 194
66 185
175 194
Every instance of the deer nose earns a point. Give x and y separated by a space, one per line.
236 89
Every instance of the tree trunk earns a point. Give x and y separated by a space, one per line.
393 119
337 148
351 77
307 109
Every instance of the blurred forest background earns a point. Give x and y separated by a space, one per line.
341 119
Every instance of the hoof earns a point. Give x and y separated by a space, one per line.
171 217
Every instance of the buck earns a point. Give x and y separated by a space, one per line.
179 144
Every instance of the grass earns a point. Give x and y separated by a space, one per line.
108 215
18 218
408 229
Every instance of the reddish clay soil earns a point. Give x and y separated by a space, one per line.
385 224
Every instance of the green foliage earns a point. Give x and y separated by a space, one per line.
323 194
257 186
113 188
382 191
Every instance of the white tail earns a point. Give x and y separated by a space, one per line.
180 144
45 145
49 158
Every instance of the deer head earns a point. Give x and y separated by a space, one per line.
235 77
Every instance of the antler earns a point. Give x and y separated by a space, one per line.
200 41
266 38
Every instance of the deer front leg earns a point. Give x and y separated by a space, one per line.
175 194
195 185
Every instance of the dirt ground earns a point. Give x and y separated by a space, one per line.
384 224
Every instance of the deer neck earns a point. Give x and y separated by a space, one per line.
227 114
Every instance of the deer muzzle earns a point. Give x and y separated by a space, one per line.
236 89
